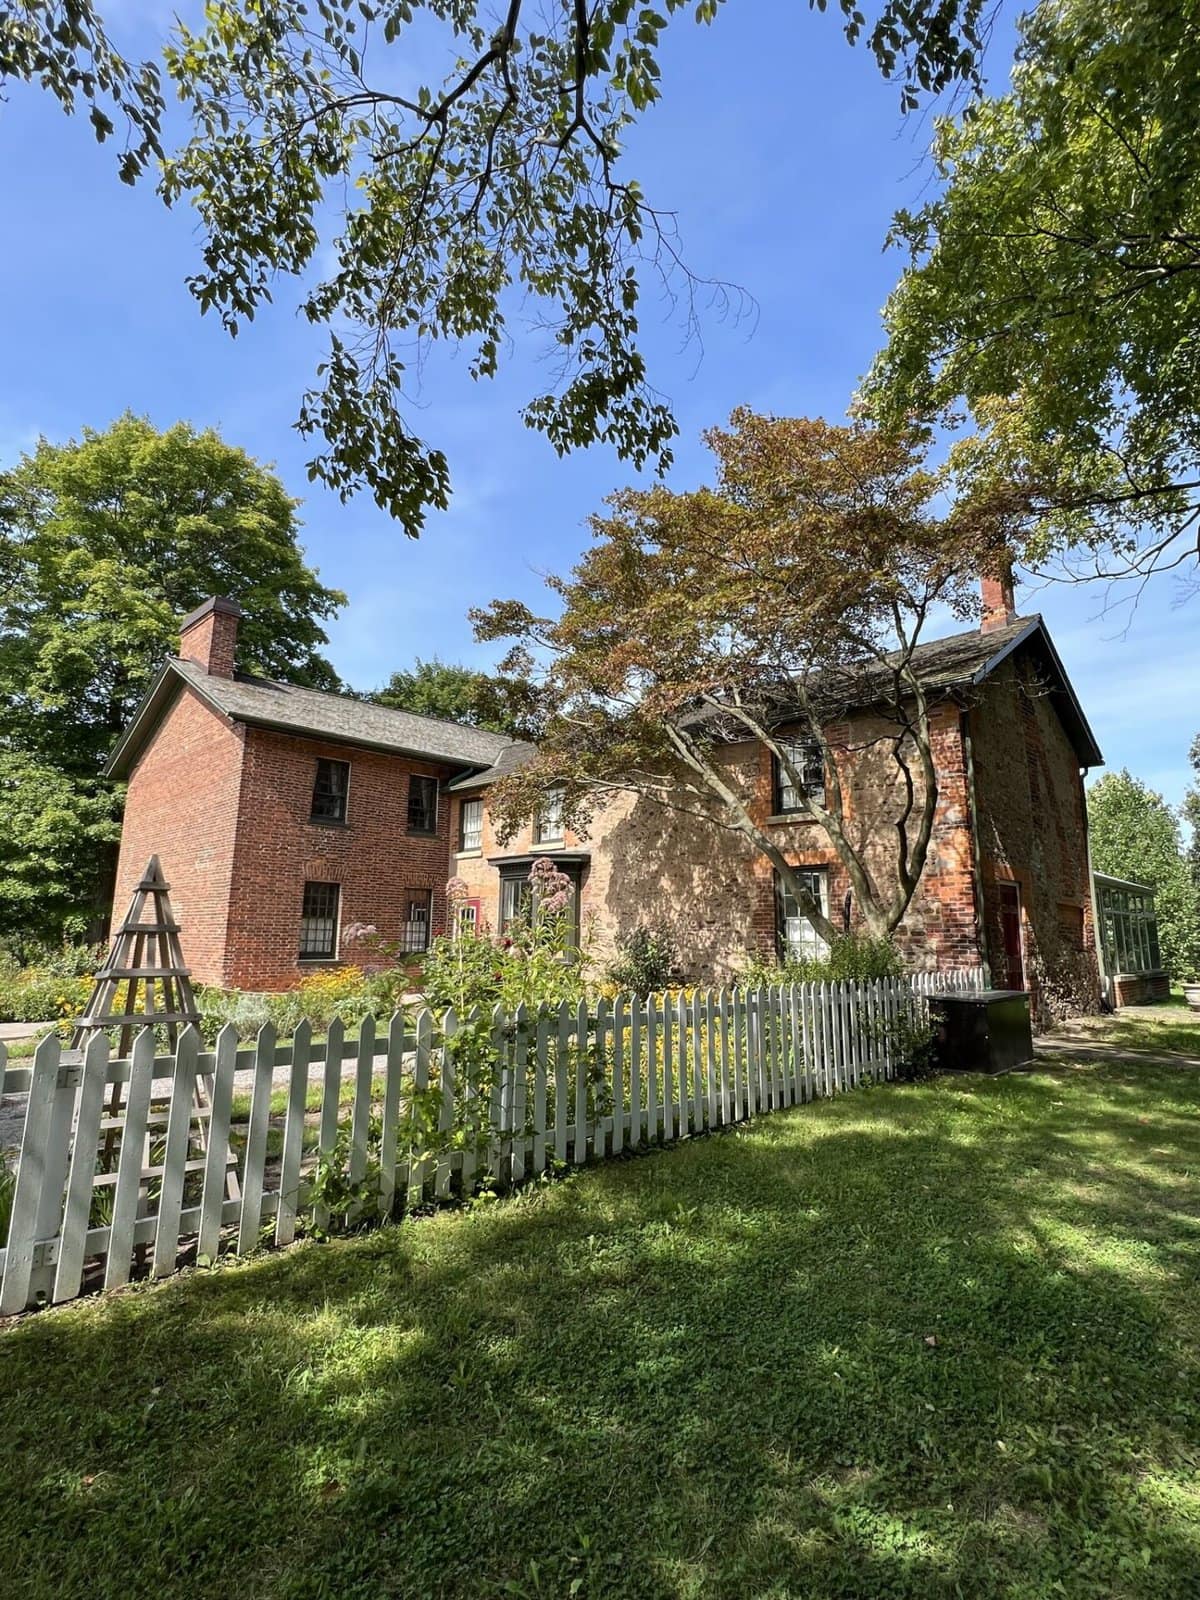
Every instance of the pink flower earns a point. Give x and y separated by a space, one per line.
551 887
359 930
458 890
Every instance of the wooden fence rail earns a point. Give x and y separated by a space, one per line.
337 1131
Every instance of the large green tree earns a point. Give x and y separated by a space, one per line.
1191 810
104 543
441 197
461 694
1054 284
1134 834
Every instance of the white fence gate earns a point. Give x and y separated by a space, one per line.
343 1130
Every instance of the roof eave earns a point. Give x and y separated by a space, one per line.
315 734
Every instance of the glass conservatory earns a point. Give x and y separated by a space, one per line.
1128 932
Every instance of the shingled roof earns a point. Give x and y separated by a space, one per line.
957 664
510 759
311 713
945 665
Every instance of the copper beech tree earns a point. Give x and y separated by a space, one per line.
764 609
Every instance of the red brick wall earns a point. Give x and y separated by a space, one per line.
374 859
1033 832
716 894
1141 989
182 806
939 928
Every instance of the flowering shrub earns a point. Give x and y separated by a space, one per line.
38 994
318 998
531 964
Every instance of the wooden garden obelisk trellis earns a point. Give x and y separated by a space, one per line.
146 960
144 983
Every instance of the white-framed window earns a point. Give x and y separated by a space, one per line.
470 832
319 922
809 764
798 939
549 826
467 921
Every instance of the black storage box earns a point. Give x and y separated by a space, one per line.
981 1030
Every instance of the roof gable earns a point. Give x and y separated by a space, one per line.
966 660
1033 637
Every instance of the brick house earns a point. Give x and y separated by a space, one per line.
282 815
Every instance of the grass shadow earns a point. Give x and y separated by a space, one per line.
916 1342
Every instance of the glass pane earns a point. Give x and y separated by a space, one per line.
422 804
414 935
318 920
472 824
801 939
805 757
329 791
550 818
514 893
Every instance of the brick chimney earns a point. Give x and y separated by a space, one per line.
999 601
208 636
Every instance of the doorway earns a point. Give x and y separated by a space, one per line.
1011 963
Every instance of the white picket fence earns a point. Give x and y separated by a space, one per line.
238 1146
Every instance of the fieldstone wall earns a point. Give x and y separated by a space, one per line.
1032 823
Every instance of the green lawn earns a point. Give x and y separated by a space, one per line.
932 1341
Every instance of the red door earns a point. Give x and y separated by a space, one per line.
1012 969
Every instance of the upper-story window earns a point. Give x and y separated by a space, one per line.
470 831
330 790
422 804
808 764
549 826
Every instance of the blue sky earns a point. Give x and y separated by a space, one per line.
783 154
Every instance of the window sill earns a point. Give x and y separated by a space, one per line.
317 961
468 855
549 844
422 833
327 822
782 819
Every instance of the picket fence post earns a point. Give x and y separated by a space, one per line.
80 1184
293 1136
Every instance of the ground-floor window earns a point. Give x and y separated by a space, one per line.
319 921
798 939
517 899
414 935
468 918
